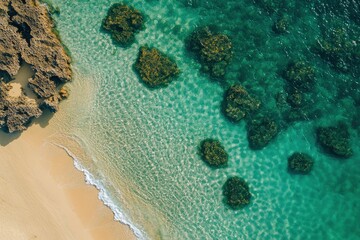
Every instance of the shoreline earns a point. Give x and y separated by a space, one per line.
44 196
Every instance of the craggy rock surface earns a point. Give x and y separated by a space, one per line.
16 112
26 31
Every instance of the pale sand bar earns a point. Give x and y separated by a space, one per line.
43 196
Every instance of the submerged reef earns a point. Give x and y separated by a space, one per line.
299 88
123 22
155 68
260 131
281 25
213 153
300 163
214 50
299 75
335 140
27 36
238 103
340 49
236 192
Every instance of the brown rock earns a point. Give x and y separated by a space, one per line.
27 35
64 92
16 112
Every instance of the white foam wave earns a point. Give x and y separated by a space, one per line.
104 196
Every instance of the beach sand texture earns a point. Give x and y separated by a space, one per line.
43 196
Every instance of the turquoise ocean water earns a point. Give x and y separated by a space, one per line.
139 146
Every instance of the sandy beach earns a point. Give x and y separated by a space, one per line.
43 196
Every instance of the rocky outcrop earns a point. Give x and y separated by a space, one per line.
16 111
27 36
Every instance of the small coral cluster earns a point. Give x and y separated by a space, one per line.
300 82
300 163
335 140
213 153
123 22
236 192
300 76
238 103
260 131
154 67
281 25
214 50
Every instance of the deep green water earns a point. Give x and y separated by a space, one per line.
142 143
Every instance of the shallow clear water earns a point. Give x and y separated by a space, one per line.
142 144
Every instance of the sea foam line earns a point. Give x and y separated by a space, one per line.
103 195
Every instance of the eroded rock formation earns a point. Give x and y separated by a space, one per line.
16 111
27 36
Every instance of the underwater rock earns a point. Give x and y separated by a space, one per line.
123 22
281 26
339 49
335 140
299 76
155 68
16 111
296 99
238 103
214 50
301 163
236 192
213 153
27 35
261 131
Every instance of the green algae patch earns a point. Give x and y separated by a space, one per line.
122 22
214 50
300 163
236 192
213 153
237 103
155 68
335 140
